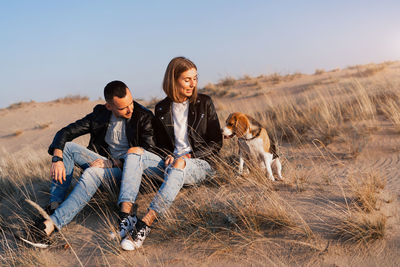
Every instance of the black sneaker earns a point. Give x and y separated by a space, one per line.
136 237
126 224
36 236
51 208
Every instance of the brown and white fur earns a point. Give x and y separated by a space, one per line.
254 143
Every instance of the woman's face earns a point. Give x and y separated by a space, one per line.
187 81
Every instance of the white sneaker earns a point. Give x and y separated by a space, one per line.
136 237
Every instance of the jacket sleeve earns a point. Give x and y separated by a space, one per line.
161 138
214 129
213 133
146 133
70 132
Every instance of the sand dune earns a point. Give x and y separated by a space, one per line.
336 143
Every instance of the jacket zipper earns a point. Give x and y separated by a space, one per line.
202 116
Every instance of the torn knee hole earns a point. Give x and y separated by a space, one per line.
179 164
135 150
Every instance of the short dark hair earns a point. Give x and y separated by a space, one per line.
114 88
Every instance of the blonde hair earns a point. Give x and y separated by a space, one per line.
175 68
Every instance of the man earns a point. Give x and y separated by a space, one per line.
115 127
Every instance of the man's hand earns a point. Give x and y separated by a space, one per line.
57 171
102 163
169 160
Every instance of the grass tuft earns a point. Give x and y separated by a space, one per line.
361 228
228 81
366 189
70 99
17 132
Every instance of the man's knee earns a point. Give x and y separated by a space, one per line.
179 163
136 150
92 175
68 146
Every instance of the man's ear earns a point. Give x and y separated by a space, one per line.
108 106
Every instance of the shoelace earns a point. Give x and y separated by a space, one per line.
124 224
142 232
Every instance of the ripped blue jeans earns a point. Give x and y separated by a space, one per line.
91 179
195 171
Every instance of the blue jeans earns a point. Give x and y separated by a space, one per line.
86 187
195 171
73 154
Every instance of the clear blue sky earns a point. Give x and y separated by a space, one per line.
50 49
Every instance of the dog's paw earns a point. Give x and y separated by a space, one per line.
243 172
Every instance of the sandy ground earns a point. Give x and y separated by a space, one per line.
33 126
24 129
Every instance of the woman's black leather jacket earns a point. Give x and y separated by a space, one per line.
204 131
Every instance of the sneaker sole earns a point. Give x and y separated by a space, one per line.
128 245
36 245
44 215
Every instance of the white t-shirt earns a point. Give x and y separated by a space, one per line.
180 113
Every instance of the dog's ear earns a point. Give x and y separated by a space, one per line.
242 125
228 120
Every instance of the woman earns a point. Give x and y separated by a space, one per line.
188 136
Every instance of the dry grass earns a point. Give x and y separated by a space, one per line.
42 126
152 102
20 105
322 128
17 132
321 116
275 78
391 109
70 99
361 228
371 70
366 189
360 222
227 81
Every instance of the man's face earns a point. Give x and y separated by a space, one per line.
121 107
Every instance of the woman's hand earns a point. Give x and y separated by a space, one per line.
169 160
102 163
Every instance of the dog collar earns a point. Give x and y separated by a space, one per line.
255 136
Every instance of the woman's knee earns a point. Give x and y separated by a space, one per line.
179 164
136 150
173 181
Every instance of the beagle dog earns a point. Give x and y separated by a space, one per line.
254 143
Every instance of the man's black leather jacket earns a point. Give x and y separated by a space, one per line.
204 130
139 130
